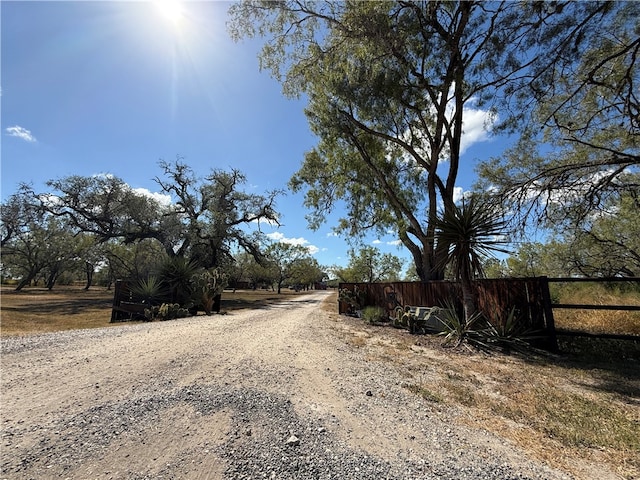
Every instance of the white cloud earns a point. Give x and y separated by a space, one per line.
476 127
303 242
162 198
458 194
395 243
376 242
20 132
266 221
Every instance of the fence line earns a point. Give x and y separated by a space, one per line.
577 306
529 296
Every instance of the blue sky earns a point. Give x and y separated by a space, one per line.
113 87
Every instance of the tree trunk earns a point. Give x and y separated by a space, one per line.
468 299
25 281
52 278
89 271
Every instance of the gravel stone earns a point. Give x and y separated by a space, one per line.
270 394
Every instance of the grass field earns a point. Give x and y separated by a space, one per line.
597 321
37 310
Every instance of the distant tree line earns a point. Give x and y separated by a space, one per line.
99 224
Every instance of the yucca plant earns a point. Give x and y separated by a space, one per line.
176 274
458 329
509 334
472 231
148 290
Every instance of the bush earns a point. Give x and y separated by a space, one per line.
458 330
373 314
166 311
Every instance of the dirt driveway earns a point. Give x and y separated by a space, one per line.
270 393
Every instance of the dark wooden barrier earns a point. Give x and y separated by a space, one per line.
495 299
125 305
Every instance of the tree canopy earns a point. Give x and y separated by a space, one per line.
291 263
369 265
203 222
389 85
575 169
86 222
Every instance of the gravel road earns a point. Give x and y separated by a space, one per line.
275 393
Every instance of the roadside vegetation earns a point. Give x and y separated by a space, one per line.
572 409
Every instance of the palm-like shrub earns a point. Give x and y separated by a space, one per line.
457 330
176 275
472 231
148 290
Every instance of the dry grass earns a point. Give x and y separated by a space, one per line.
574 411
37 310
597 321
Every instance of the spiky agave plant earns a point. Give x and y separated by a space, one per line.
473 232
148 290
175 273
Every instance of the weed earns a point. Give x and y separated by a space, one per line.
425 393
373 314
573 419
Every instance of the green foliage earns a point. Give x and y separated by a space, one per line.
374 314
389 85
370 265
36 244
509 334
176 275
576 170
166 311
149 290
472 232
288 262
305 272
458 330
206 286
206 221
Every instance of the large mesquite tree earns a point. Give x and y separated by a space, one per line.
576 169
389 85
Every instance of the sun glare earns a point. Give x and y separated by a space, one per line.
171 10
